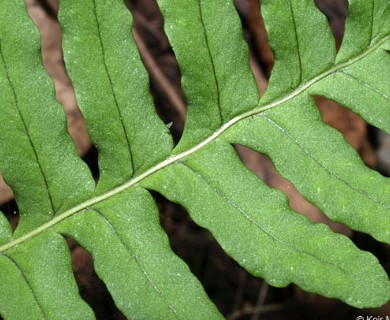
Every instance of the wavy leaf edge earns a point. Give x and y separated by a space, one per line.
256 111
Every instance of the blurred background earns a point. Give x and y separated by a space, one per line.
237 294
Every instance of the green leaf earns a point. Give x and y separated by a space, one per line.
302 43
116 219
303 150
302 147
98 47
37 156
5 227
368 23
39 275
39 161
363 87
130 138
255 226
363 84
216 79
132 242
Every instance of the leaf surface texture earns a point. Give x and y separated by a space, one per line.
116 219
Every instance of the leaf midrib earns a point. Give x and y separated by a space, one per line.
175 158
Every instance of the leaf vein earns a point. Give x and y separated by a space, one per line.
366 84
28 284
112 89
331 172
297 41
134 257
26 130
135 181
252 220
221 118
